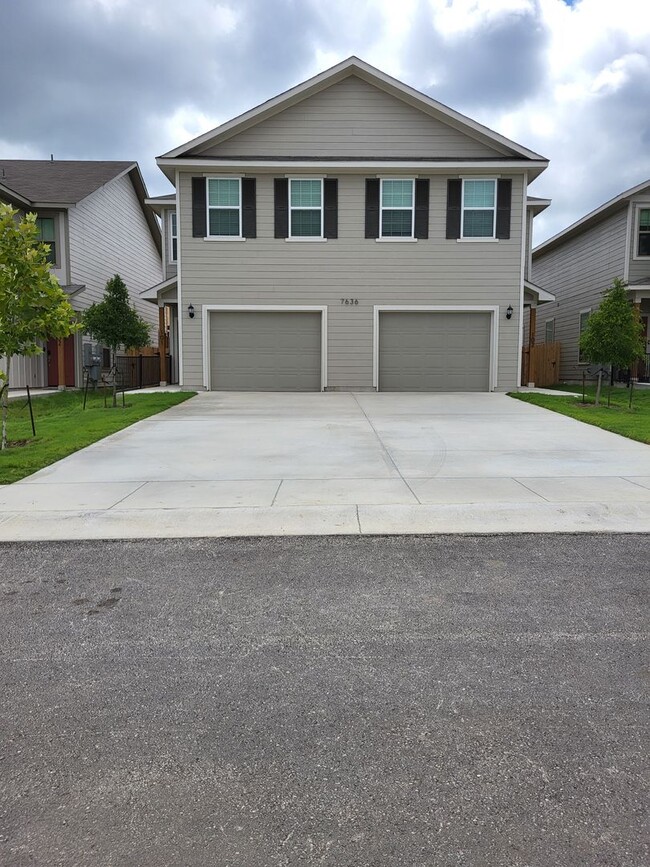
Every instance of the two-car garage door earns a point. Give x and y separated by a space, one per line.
418 350
434 351
265 350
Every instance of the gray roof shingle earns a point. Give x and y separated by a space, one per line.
67 181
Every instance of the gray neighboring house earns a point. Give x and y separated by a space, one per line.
580 262
350 233
93 215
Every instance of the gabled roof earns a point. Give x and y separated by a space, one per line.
42 183
59 181
349 67
591 219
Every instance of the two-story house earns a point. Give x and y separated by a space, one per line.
580 263
350 233
94 218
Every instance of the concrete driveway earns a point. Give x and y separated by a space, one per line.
261 464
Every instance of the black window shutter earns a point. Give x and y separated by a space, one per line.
249 209
372 207
199 220
331 208
454 197
281 189
504 199
422 208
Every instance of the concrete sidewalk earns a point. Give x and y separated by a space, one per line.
299 464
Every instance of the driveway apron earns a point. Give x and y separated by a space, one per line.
225 464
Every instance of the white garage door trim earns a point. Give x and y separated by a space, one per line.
493 309
261 308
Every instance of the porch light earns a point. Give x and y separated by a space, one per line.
509 312
190 311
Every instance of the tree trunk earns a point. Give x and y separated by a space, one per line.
114 351
599 386
4 392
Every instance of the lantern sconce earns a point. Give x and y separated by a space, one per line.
190 311
509 311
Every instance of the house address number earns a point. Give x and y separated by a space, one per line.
349 300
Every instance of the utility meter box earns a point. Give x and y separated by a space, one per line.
92 361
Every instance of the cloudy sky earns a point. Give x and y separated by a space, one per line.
131 79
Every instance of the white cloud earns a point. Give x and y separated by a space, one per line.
119 79
458 17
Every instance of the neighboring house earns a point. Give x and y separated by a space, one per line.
351 233
93 216
580 263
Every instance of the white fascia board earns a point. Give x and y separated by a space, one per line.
541 295
207 164
354 66
537 205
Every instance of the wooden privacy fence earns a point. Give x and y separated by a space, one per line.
541 364
140 371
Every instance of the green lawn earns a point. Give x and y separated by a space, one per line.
63 426
634 423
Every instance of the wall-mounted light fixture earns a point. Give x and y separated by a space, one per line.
190 311
509 311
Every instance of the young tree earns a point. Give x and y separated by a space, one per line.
114 322
613 332
33 306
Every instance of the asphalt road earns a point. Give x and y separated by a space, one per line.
338 701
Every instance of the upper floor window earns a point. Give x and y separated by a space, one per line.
173 237
643 244
478 209
305 208
45 226
549 332
224 207
396 208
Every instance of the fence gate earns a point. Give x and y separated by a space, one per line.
541 364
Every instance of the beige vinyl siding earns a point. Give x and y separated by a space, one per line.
355 119
110 235
639 268
435 271
577 273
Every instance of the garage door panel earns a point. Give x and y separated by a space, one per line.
265 351
433 351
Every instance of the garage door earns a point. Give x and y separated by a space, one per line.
434 351
265 351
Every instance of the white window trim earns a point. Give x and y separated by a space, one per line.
170 258
297 208
436 308
493 236
269 308
580 315
56 264
209 207
383 237
638 207
546 324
